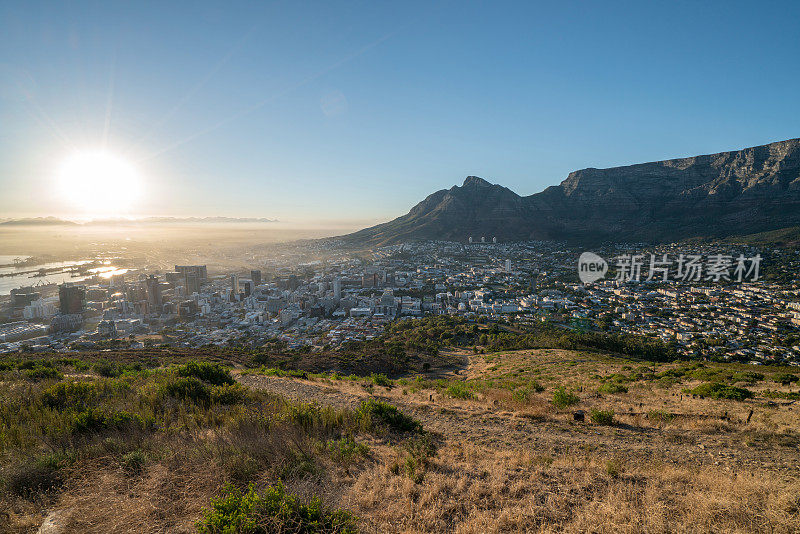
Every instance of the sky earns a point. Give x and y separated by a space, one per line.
349 113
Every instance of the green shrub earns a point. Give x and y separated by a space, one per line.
382 414
71 395
273 510
107 369
134 461
747 376
34 364
213 373
612 388
95 421
563 398
228 394
525 393
189 389
785 378
781 394
380 380
346 449
711 374
458 390
715 390
80 394
602 417
43 373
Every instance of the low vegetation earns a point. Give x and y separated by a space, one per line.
59 430
525 440
272 510
715 390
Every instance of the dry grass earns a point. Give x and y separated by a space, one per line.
478 490
504 463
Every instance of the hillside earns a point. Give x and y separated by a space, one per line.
491 445
712 196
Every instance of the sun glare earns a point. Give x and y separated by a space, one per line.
98 183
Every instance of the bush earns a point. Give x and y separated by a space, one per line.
602 417
525 394
228 394
785 378
43 373
80 395
715 390
134 461
747 376
346 449
107 369
458 390
563 398
71 395
95 421
272 511
382 414
612 388
189 389
213 373
380 380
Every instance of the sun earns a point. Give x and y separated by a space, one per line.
99 183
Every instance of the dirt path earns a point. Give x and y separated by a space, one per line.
484 424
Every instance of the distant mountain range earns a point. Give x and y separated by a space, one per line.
54 221
721 195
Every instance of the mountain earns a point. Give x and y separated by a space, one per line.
37 221
712 196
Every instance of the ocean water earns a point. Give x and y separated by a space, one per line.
19 278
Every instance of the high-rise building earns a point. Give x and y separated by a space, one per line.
154 292
337 288
248 288
508 266
255 276
191 283
200 270
235 283
71 298
370 280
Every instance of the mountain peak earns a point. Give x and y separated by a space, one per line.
475 181
740 192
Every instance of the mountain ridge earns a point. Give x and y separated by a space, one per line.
745 191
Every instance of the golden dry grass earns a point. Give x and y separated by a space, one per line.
502 465
471 489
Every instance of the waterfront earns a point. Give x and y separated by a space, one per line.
12 277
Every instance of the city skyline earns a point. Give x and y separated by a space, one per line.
356 112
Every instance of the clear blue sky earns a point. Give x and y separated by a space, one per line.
357 110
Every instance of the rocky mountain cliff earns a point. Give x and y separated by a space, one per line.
719 195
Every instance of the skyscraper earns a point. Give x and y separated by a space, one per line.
235 283
191 283
337 288
255 276
154 292
200 270
71 298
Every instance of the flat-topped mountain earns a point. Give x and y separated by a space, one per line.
718 195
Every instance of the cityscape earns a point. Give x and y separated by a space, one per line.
346 297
